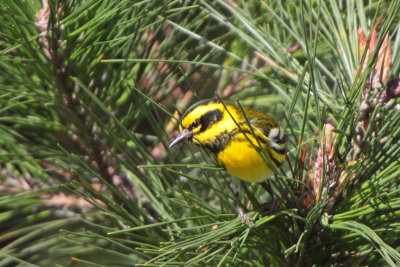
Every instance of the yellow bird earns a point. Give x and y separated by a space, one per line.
213 125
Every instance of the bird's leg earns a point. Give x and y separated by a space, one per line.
275 203
267 187
243 217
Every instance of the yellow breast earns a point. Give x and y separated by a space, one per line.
242 160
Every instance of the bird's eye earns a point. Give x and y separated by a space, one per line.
195 124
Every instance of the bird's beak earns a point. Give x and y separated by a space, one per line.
181 137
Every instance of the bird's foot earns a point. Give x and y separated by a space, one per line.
244 218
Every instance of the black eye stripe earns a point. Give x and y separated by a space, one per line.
209 119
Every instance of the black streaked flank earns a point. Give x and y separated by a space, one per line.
277 163
279 150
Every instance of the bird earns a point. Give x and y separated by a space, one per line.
248 153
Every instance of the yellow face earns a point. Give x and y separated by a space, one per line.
204 121
201 118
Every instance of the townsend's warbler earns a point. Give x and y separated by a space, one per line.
213 125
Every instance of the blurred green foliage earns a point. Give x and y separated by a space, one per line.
91 93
